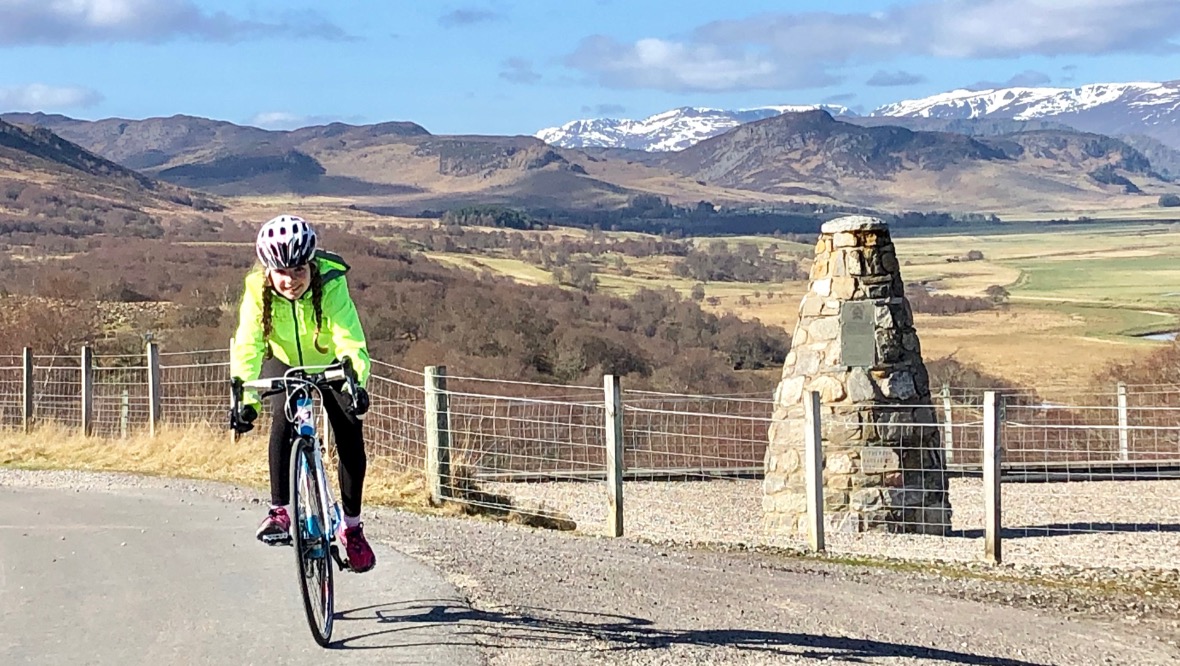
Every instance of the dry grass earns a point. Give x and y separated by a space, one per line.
199 452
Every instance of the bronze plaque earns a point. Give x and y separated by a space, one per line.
858 340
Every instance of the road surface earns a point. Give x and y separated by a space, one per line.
152 576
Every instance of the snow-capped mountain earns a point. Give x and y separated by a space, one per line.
1152 101
1115 109
667 131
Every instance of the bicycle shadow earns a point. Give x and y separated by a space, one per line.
569 630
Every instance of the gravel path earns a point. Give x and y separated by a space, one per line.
538 597
1128 524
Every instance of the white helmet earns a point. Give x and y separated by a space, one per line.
286 241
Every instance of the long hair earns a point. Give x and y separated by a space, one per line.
317 294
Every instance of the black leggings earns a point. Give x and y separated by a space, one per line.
350 445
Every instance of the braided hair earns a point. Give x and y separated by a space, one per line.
317 294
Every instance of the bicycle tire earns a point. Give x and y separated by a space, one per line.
309 535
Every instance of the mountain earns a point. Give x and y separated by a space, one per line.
43 177
1150 109
889 166
668 131
1114 109
988 164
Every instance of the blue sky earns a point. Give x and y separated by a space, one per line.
516 66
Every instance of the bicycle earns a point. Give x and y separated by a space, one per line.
317 514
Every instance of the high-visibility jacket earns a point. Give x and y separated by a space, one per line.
293 325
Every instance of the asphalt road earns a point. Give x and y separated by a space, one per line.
151 576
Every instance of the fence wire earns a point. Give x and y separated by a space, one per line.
538 456
1103 466
195 388
11 393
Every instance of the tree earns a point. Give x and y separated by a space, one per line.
997 293
1169 200
698 292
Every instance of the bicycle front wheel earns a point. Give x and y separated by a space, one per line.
310 536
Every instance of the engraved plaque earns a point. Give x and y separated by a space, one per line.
878 460
858 341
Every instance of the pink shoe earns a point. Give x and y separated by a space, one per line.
275 529
360 554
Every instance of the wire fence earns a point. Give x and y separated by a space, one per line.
694 466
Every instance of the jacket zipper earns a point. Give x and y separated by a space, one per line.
295 321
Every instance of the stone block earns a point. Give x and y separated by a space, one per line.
791 390
888 261
866 499
830 389
839 265
855 262
898 385
844 288
807 361
879 460
822 287
854 223
812 304
841 463
860 387
824 328
845 239
883 316
773 484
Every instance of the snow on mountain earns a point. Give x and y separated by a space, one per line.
668 131
1116 109
1026 103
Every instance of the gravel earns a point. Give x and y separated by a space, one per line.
544 597
1124 524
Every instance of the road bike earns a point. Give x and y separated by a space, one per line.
317 515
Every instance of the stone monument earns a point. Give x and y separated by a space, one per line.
855 344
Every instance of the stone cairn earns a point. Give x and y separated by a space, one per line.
855 344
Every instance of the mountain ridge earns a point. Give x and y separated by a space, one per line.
1137 108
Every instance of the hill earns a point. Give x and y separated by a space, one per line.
894 167
788 158
45 179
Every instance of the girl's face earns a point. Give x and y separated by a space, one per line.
291 283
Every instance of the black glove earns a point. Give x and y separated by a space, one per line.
362 401
242 421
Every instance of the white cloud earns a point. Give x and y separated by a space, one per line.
91 21
810 49
40 97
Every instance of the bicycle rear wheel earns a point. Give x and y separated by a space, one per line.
310 536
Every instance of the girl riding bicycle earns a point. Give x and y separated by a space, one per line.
296 311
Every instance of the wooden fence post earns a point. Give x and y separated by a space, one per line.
948 430
124 414
992 458
27 389
814 466
1124 430
87 379
438 433
614 454
154 409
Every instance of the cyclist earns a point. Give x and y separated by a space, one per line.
296 311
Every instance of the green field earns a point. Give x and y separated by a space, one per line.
1079 293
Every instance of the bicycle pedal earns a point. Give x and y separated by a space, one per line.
342 563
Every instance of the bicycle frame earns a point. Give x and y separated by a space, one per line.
307 455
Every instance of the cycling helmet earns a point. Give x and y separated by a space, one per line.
286 241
